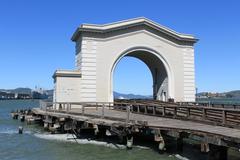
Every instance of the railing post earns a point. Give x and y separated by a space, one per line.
83 109
128 114
204 113
138 109
188 112
224 117
145 109
131 108
154 110
68 107
163 111
96 106
60 106
175 112
103 106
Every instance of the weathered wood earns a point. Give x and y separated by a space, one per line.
204 113
175 113
224 117
188 112
103 110
138 109
207 114
128 114
163 111
204 147
145 109
83 109
114 117
154 110
153 114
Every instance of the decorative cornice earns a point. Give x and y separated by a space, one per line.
142 21
66 73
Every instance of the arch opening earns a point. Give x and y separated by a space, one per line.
132 79
159 73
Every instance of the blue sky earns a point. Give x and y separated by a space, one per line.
35 39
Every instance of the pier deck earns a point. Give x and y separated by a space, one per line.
215 128
119 117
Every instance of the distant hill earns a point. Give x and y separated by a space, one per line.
18 90
230 94
234 94
129 96
117 95
49 93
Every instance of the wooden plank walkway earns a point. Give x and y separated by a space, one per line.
119 117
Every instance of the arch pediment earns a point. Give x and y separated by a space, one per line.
132 25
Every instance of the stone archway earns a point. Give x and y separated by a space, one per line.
158 66
168 54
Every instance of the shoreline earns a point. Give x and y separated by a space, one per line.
21 99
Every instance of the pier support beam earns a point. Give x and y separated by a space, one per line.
45 125
22 118
129 141
20 130
158 138
205 147
96 130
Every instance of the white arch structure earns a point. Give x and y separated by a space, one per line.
168 54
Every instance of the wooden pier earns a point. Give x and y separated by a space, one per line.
216 128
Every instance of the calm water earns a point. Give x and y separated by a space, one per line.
34 144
